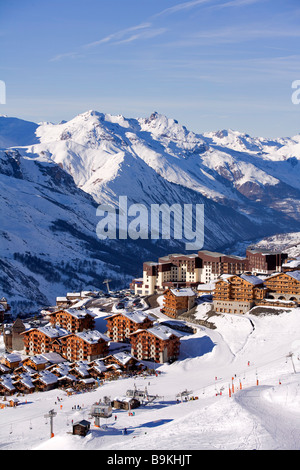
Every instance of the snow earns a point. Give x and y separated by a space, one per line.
244 350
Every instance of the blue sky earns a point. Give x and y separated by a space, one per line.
210 64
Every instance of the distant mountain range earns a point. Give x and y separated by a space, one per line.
54 176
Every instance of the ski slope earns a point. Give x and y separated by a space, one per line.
246 383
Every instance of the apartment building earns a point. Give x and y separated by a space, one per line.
84 345
73 320
180 270
178 301
264 261
237 294
121 324
159 344
284 286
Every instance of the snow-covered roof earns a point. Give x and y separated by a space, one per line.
294 275
79 313
207 287
47 377
7 382
161 332
123 357
38 359
252 279
12 357
92 336
53 332
137 316
53 357
183 292
294 263
26 380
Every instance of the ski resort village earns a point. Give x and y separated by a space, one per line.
206 344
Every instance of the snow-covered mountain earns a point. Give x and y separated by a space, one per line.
53 176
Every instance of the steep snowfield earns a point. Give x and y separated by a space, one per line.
92 148
263 415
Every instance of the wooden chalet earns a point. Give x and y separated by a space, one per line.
4 369
178 301
45 381
87 345
284 286
81 428
42 340
159 344
124 359
113 371
24 384
11 360
237 293
80 370
36 363
97 369
120 325
7 386
126 403
73 320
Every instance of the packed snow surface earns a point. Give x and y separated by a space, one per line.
244 380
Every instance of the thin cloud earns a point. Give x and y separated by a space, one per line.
180 7
141 31
118 35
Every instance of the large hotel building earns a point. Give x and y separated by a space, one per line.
190 270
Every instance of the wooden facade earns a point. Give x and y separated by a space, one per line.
284 286
86 345
40 340
81 346
237 294
159 344
121 325
178 301
72 320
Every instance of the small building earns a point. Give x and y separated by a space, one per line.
35 362
206 288
24 384
178 301
125 360
81 428
7 386
45 381
11 360
126 403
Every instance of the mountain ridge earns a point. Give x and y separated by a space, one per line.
250 189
